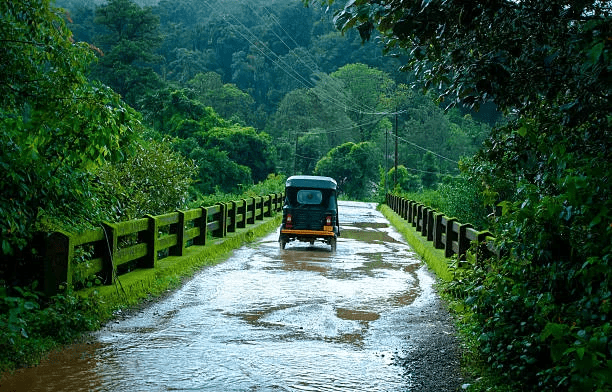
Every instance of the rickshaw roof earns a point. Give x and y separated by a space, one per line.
317 182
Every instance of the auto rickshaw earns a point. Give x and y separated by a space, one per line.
310 211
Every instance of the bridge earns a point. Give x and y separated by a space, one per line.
180 238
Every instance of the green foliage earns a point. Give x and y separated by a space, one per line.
226 99
353 166
245 146
273 184
404 181
543 309
31 324
132 34
367 91
429 174
153 180
216 171
54 125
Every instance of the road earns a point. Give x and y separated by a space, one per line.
365 318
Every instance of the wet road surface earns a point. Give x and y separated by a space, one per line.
364 318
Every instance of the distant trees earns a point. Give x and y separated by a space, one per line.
353 166
131 36
228 100
173 60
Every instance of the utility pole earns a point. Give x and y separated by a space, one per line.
386 160
295 156
396 154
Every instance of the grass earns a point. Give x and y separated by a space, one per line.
142 285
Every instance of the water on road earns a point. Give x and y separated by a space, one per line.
299 319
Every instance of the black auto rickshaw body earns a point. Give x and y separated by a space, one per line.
310 212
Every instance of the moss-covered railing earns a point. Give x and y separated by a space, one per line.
445 233
118 248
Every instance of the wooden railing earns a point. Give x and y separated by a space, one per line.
445 233
117 248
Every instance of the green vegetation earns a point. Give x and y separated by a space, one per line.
541 313
111 110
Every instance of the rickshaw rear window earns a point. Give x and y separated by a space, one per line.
309 196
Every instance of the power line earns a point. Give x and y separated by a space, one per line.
424 149
289 70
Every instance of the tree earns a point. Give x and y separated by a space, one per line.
429 171
128 48
546 64
154 179
245 146
405 180
353 166
227 99
368 88
54 125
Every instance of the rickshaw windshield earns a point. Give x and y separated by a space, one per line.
309 196
297 197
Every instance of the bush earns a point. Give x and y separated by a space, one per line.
153 180
31 324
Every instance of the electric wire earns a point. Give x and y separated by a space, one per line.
423 148
287 68
294 74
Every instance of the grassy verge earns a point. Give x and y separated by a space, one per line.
434 258
478 377
169 272
31 329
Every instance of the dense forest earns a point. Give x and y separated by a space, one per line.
500 112
283 94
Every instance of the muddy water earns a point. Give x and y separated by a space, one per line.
299 319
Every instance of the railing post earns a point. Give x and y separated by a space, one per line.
221 217
150 238
243 212
430 224
424 221
252 210
109 270
269 205
437 231
202 223
462 241
179 230
232 216
410 215
59 253
448 246
259 208
419 217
